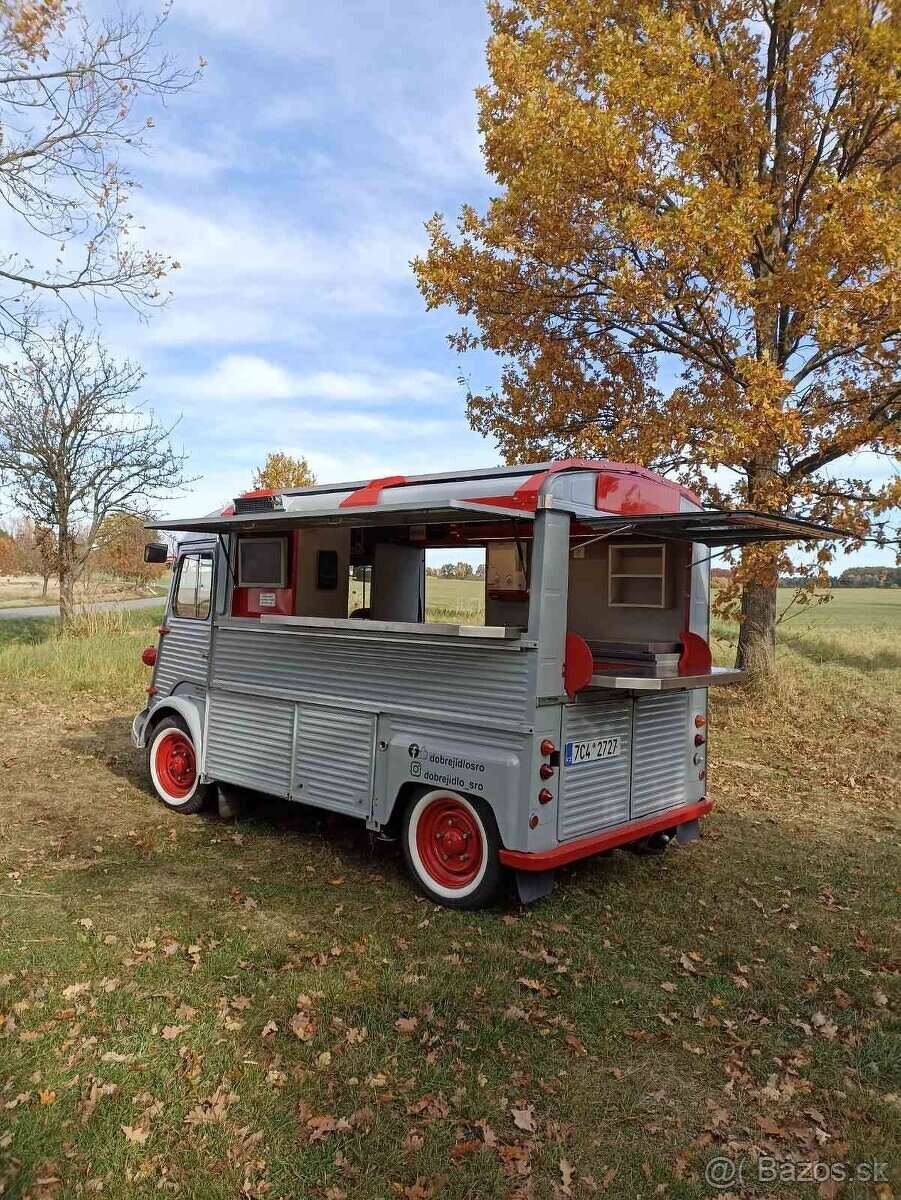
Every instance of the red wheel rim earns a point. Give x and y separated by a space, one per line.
176 767
449 842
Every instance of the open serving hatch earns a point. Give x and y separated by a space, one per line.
656 665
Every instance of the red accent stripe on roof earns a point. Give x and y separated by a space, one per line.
368 496
621 488
259 492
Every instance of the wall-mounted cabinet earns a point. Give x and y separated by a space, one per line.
637 576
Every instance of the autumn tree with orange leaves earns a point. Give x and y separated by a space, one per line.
691 260
282 471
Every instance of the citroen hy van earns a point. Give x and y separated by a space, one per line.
572 720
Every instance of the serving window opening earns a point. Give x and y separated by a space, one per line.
628 590
469 574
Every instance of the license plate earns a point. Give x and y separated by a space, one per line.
582 752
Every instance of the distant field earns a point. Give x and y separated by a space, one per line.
855 608
26 591
848 608
460 601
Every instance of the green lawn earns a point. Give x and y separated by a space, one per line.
213 1010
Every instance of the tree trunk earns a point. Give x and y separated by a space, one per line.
66 570
46 584
757 636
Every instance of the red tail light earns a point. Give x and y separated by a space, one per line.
545 796
700 721
700 739
545 770
547 747
148 656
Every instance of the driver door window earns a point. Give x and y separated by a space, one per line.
194 590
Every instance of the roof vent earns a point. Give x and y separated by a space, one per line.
250 504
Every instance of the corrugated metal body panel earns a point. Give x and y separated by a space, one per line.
469 683
659 753
249 741
334 752
595 795
182 654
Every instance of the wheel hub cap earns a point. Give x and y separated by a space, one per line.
449 842
176 766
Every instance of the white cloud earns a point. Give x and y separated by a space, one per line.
287 109
252 377
251 273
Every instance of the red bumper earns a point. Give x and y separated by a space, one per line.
546 860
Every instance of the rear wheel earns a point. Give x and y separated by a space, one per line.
172 758
451 847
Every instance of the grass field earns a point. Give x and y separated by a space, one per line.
204 1009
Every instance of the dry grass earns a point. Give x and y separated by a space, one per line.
208 1010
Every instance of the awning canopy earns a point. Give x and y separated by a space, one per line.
716 527
385 514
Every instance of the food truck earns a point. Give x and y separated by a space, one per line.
571 720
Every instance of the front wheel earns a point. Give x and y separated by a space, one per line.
451 847
172 759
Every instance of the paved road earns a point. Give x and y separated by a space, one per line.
52 610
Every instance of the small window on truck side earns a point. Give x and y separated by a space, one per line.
194 589
263 562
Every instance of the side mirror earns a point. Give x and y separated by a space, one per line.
156 552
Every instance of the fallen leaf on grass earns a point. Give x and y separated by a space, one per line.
462 1149
212 1109
171 1032
535 985
824 1026
303 1025
524 1118
566 1174
406 1025
269 1029
135 1133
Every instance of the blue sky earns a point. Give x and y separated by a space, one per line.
292 184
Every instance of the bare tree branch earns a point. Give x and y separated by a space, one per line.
75 447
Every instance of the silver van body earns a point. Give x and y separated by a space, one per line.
359 715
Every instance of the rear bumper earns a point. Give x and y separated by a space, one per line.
547 860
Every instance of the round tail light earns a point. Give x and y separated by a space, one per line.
545 796
547 747
148 656
700 721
